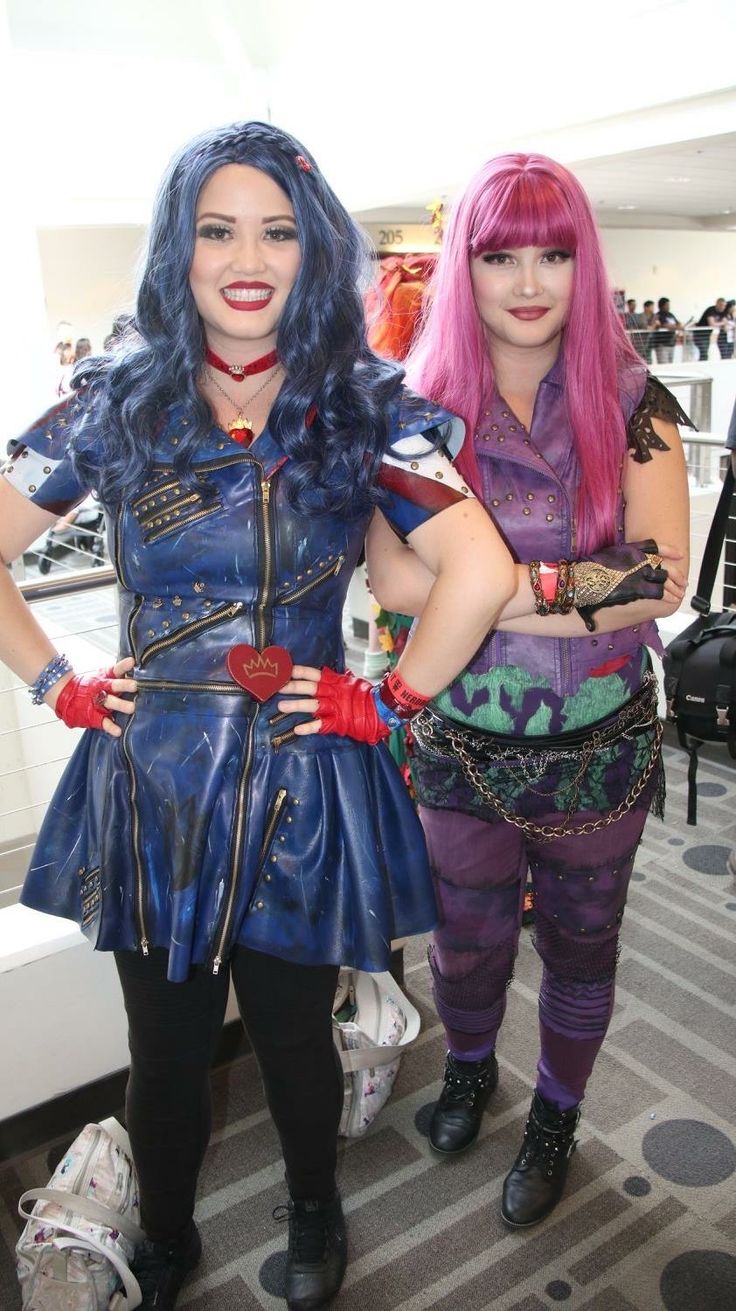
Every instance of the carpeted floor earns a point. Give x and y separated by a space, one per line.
649 1219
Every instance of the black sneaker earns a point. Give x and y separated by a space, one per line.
457 1116
318 1252
161 1268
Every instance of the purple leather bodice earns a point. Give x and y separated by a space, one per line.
529 482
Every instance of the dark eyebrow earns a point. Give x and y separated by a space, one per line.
230 218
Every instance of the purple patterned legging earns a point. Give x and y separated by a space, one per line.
580 884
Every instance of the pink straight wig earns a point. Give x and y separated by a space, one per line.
516 201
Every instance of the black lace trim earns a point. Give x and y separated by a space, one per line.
656 403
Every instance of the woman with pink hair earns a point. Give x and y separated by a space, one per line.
543 756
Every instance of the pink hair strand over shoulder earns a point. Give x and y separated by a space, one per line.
516 201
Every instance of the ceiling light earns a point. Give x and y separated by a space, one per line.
677 179
627 207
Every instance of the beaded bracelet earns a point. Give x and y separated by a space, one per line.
53 671
565 595
541 604
563 598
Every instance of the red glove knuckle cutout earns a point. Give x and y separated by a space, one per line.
79 703
345 706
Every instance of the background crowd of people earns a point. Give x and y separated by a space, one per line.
654 333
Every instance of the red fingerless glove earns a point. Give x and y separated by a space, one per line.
345 705
80 703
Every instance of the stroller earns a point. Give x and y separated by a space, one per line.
78 539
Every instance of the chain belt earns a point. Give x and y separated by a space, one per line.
472 749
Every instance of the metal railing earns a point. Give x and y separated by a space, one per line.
706 460
658 345
66 577
698 401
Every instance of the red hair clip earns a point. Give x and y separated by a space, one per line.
303 164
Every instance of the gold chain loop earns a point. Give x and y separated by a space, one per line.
425 731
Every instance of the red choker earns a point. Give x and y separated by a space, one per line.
239 371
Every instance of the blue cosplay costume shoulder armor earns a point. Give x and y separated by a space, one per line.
208 823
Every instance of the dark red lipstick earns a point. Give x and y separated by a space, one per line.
247 295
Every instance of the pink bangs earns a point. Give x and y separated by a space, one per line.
530 209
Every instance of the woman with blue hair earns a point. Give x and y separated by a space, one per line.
205 829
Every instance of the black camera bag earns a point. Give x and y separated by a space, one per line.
700 663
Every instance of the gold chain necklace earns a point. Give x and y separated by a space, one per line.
241 428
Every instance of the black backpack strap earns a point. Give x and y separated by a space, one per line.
713 547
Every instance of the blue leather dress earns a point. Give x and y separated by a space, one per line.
208 823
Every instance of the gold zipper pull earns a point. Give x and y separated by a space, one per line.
266 491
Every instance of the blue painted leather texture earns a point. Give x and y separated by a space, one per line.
208 823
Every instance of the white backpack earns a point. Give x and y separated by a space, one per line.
75 1249
373 1023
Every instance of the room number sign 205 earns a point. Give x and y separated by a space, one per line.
390 236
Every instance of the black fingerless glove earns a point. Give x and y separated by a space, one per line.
616 575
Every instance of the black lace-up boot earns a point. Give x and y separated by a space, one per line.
534 1185
318 1252
457 1116
161 1268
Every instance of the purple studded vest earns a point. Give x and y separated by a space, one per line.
538 685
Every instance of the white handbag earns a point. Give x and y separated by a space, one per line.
74 1252
373 1023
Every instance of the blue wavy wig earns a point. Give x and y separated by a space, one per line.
321 341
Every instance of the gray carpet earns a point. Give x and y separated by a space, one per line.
649 1218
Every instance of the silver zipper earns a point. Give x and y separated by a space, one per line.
281 738
271 823
140 501
237 847
218 616
290 597
135 838
134 611
172 685
117 544
181 522
267 555
149 515
243 785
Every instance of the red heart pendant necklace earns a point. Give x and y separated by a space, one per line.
241 428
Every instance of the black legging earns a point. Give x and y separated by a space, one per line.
172 1031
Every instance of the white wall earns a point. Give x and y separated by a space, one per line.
691 267
89 276
62 1022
